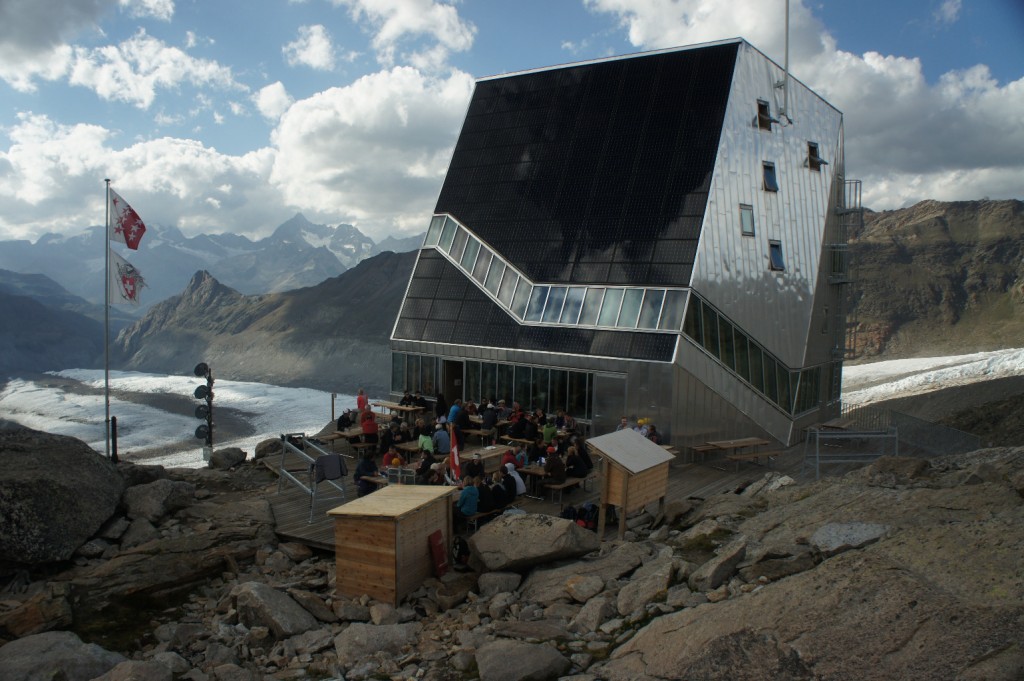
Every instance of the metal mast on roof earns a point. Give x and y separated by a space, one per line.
784 83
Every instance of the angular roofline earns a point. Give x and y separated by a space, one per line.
601 60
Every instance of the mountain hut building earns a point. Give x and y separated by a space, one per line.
657 236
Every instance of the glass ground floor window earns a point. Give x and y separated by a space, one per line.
532 386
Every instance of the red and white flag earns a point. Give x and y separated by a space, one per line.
125 226
125 282
453 458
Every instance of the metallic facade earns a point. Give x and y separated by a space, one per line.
690 170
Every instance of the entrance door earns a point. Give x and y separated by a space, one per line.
609 402
453 379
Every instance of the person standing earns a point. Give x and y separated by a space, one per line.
366 469
362 403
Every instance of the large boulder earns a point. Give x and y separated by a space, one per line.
522 540
154 500
518 661
55 655
56 493
226 458
261 605
548 585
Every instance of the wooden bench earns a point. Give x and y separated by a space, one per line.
520 440
702 450
754 456
361 447
562 486
473 521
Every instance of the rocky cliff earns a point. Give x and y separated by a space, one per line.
939 278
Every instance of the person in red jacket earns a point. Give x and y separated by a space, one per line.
362 403
369 425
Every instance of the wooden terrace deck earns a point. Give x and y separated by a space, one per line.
701 480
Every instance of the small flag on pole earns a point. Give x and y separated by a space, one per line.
125 226
125 281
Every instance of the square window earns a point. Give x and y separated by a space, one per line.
771 184
746 220
764 115
776 261
814 160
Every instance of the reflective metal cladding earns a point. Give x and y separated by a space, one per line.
665 223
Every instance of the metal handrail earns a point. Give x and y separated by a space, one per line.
309 487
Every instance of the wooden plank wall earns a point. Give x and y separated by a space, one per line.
647 486
365 558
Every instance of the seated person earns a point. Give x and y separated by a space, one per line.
521 457
581 449
487 501
508 457
406 400
518 486
504 412
653 435
467 505
554 467
536 451
474 468
530 430
421 428
387 437
568 423
574 465
425 467
404 433
437 473
517 429
442 441
369 424
499 496
548 433
489 418
366 469
393 459
418 400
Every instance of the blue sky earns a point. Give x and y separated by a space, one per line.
232 116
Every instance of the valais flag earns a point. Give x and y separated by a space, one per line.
125 224
453 462
125 283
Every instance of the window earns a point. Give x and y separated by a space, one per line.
630 310
494 277
573 303
814 161
434 231
776 261
521 298
770 183
651 310
553 310
672 311
746 220
610 307
536 307
483 262
591 306
469 255
508 287
764 115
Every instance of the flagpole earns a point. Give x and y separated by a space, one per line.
106 316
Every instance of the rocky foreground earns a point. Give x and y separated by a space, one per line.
905 569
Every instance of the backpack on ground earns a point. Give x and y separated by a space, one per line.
588 514
460 551
569 513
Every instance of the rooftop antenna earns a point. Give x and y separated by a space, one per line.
784 83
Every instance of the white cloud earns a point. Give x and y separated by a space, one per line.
906 138
33 35
133 70
949 11
54 181
373 153
272 100
313 48
158 9
398 21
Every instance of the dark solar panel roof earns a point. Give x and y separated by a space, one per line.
596 173
442 306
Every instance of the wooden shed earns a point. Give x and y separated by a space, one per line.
635 473
381 541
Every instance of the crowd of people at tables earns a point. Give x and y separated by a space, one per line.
555 444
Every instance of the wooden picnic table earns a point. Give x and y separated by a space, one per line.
535 473
412 446
405 410
734 446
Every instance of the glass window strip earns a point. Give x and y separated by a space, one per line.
458 243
